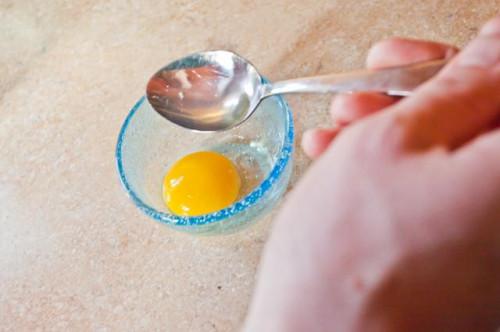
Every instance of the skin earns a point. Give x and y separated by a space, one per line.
396 226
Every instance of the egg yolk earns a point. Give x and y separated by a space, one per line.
201 183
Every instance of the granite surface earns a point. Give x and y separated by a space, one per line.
75 254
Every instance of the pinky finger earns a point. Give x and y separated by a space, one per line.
316 141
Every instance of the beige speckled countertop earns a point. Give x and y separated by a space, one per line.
75 254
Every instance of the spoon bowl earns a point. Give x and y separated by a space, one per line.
207 91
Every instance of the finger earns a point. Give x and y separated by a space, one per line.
461 102
347 108
392 52
399 51
482 152
316 141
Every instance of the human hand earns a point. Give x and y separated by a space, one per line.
396 226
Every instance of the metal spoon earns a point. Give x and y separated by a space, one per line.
212 91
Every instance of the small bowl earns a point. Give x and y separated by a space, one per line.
261 149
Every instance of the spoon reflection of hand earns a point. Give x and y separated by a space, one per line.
189 87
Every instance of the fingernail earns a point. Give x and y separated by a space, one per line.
491 28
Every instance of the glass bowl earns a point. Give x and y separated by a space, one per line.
261 149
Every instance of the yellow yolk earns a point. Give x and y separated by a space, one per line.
200 183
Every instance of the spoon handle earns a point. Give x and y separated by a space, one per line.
395 81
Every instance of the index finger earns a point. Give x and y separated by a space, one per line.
400 51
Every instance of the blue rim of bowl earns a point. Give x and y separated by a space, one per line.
246 202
